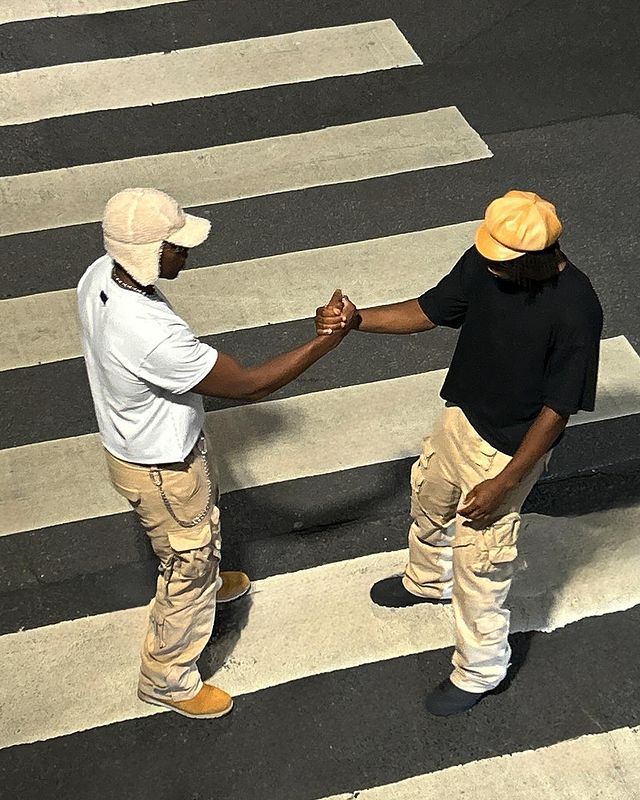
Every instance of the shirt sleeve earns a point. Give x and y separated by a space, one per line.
446 303
571 374
178 362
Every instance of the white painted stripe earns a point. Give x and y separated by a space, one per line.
82 673
362 150
154 78
20 10
64 480
44 327
600 765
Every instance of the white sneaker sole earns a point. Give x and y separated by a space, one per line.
154 701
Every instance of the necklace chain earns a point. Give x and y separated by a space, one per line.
124 285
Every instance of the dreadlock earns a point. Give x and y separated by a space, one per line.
531 270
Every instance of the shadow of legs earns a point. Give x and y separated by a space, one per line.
520 644
231 618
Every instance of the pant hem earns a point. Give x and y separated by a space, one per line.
165 694
442 596
472 687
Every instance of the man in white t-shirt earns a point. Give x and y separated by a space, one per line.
147 373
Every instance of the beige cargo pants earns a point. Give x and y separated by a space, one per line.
182 612
469 563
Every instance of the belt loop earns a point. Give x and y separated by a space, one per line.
156 476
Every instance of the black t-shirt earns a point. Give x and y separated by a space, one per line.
517 353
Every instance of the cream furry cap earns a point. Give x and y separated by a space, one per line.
135 224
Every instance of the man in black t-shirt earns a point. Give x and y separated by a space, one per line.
526 359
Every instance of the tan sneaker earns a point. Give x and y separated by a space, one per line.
234 585
209 703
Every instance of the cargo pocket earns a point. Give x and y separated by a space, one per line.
497 545
184 539
484 455
157 633
420 467
188 504
123 480
195 564
492 627
419 472
433 500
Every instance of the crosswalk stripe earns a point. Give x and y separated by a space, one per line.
150 79
41 9
100 565
362 150
76 673
42 328
65 480
348 630
571 770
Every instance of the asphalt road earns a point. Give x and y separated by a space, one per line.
552 90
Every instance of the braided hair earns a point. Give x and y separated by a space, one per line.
533 269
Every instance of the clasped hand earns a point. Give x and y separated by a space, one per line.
483 500
337 316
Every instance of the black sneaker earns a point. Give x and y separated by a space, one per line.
447 700
390 593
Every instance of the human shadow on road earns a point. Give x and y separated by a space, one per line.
231 619
561 566
555 561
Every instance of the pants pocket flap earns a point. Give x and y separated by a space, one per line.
487 450
502 555
186 539
427 451
504 532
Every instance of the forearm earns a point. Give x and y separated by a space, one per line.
279 371
404 317
538 440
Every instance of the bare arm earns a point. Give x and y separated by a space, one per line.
405 317
483 500
228 378
538 440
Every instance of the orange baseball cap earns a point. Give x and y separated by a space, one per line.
518 223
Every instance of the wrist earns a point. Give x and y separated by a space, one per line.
507 480
324 343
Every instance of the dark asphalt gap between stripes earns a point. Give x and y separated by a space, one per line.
47 42
602 152
295 108
546 159
105 564
359 359
348 729
491 40
219 120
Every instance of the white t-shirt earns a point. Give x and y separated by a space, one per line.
142 360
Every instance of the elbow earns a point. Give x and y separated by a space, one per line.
254 394
559 416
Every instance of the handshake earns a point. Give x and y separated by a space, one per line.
339 315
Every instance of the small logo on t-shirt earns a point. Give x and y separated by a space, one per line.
103 297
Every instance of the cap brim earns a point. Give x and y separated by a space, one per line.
491 248
194 232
